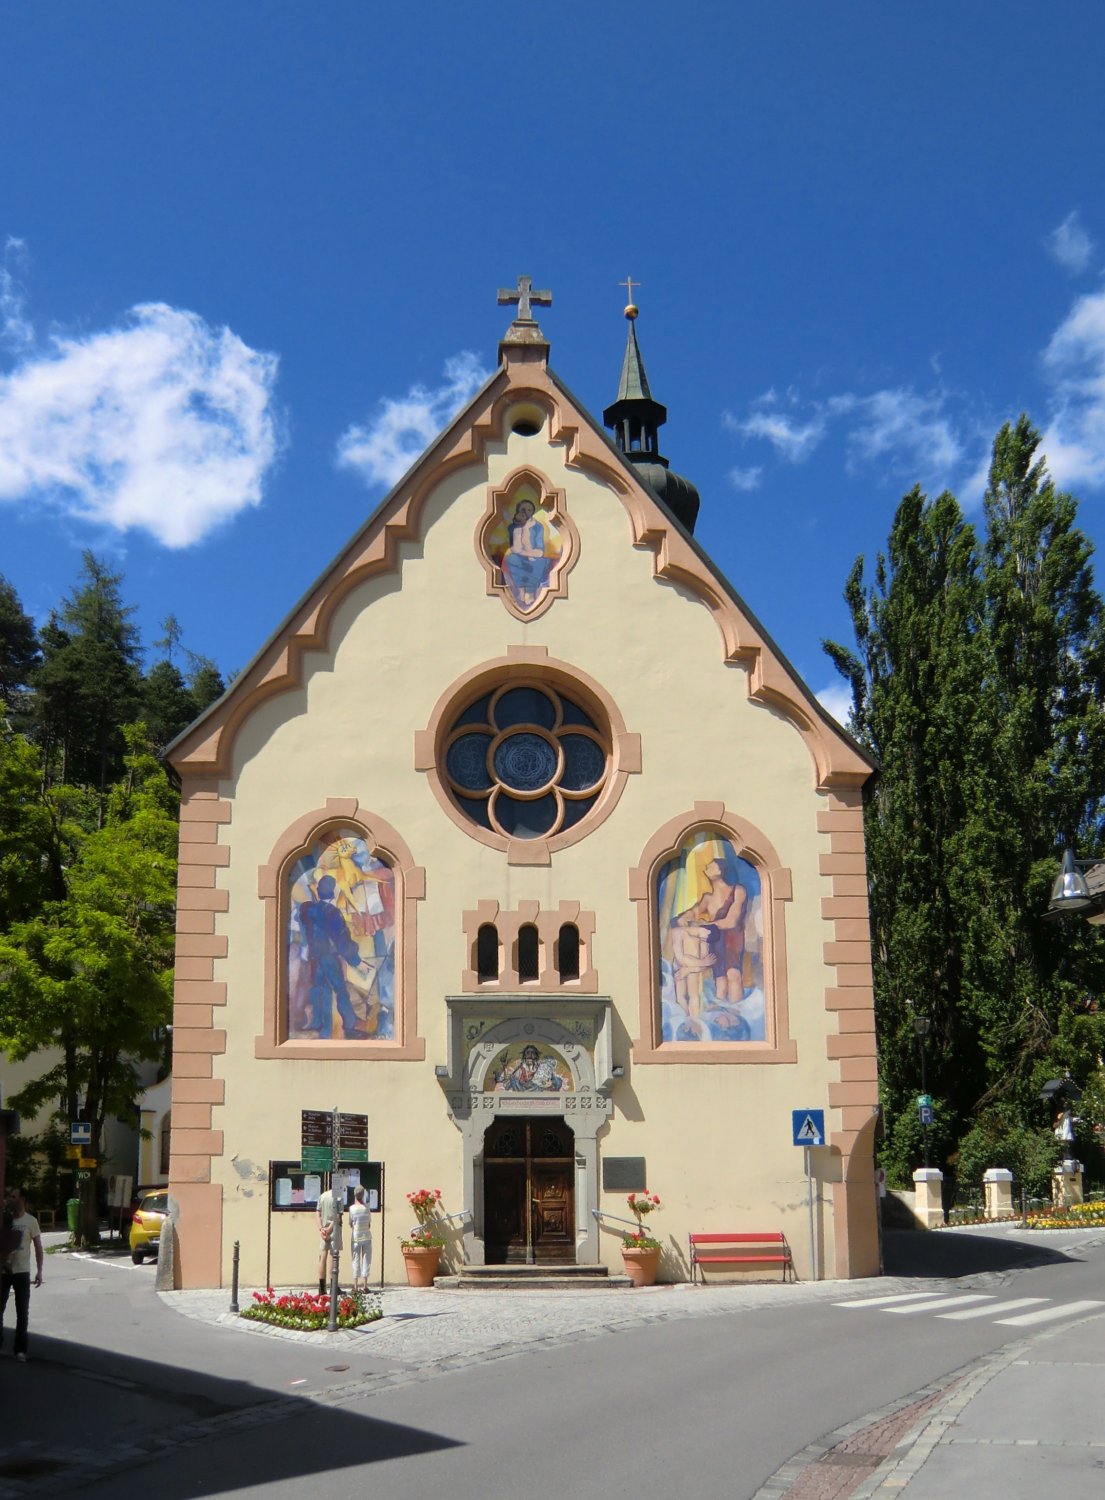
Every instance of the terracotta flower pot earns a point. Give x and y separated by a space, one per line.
641 1265
421 1262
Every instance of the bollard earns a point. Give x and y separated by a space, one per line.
234 1281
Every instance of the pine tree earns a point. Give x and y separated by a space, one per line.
18 647
88 684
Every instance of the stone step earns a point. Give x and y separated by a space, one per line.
545 1276
502 1278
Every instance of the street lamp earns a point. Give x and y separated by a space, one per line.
1078 887
922 1025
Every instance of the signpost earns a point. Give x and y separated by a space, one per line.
328 1137
807 1128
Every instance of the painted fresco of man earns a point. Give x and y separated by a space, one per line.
328 945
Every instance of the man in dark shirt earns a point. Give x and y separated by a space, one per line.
328 944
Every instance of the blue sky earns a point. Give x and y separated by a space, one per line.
251 251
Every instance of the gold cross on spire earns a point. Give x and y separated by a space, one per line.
524 295
631 309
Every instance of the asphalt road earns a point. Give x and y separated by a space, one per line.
688 1402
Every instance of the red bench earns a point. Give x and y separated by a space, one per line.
766 1249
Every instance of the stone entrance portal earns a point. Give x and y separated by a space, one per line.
529 1091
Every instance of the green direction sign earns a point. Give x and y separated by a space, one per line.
317 1158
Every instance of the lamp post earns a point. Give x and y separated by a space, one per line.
922 1025
1079 888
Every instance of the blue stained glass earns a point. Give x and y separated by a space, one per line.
525 762
476 810
466 762
584 762
571 713
525 820
576 809
525 705
475 713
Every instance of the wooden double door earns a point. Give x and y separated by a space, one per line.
529 1191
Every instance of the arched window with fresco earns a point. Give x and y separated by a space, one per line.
711 897
709 918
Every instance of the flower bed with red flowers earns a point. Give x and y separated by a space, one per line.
309 1312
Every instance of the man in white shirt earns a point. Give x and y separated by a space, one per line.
360 1232
15 1275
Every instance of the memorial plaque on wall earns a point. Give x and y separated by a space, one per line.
623 1174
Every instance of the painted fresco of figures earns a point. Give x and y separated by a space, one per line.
529 1072
525 545
341 942
709 920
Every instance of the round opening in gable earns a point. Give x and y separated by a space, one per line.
526 419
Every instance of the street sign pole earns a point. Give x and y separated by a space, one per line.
809 1202
335 1241
807 1129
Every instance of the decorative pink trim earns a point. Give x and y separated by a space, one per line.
548 924
376 549
410 889
775 880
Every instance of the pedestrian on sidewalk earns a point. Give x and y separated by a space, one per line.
329 1230
360 1233
15 1276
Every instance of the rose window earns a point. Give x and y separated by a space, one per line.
526 761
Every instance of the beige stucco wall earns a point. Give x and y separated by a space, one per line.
717 1139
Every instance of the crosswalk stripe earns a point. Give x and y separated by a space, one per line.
995 1307
1048 1314
889 1297
933 1302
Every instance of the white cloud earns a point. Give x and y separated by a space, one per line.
900 430
746 479
16 332
837 698
1070 244
383 449
909 429
164 425
792 438
1074 359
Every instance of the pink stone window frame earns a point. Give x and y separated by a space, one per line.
410 888
775 892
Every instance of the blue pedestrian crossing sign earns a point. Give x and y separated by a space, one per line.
808 1126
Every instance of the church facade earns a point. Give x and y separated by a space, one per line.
520 839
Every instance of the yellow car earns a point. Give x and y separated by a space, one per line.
145 1226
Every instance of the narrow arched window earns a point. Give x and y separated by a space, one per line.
528 966
487 953
166 1133
567 952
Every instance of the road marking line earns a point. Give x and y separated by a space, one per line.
1048 1314
921 1307
997 1307
881 1301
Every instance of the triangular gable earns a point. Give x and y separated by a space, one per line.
523 379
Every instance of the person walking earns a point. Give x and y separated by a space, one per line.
16 1273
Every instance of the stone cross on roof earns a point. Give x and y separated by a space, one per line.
524 295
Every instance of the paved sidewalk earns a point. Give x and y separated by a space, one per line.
1021 1422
